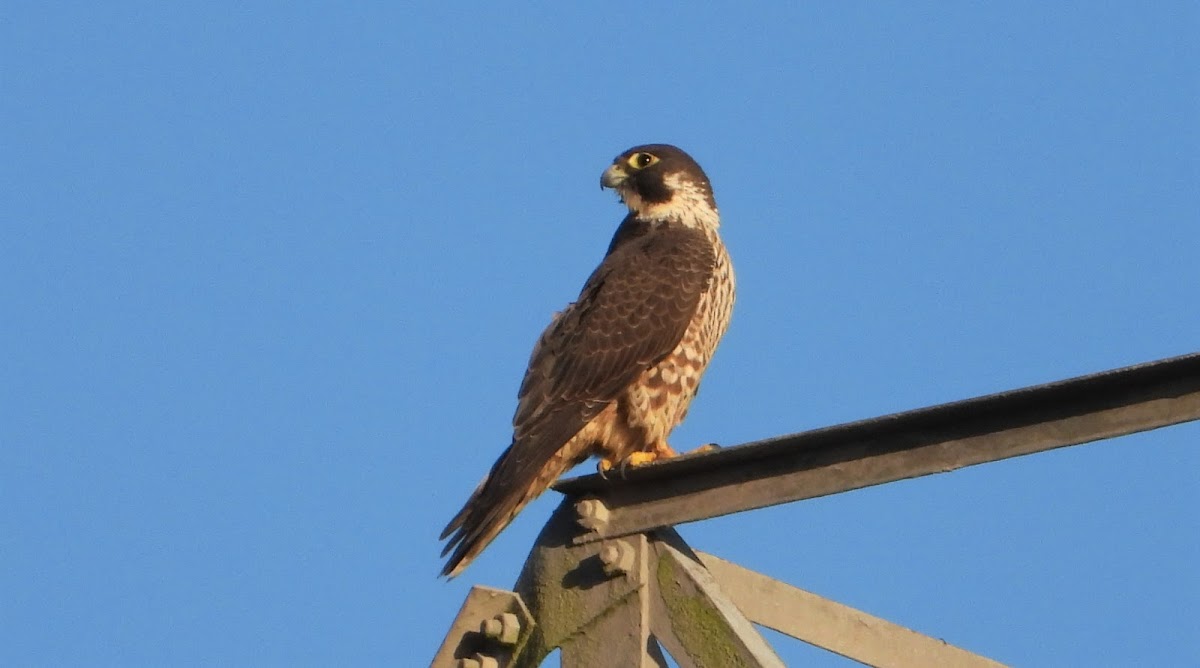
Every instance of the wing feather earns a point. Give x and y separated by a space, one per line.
632 312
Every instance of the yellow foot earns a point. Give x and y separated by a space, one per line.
660 451
636 459
640 458
663 451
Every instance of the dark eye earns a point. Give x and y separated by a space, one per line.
641 160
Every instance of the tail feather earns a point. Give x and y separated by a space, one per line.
491 507
461 515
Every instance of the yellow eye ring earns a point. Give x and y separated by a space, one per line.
641 160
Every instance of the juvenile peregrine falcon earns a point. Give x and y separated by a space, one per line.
614 372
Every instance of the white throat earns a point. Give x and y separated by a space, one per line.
690 205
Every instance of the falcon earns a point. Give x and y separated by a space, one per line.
615 371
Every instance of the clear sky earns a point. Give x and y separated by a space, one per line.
270 274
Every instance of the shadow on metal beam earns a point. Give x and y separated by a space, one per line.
895 447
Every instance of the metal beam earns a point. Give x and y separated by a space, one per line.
894 447
595 614
832 626
492 623
694 619
614 603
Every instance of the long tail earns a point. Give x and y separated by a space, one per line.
492 506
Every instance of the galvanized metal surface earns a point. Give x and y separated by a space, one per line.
895 447
467 639
596 615
611 604
695 620
832 626
606 600
619 602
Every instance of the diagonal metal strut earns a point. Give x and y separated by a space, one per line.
894 447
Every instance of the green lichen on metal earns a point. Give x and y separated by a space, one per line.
700 628
554 608
561 613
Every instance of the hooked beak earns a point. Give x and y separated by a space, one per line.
613 177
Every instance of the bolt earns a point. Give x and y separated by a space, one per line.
618 557
504 628
491 628
593 514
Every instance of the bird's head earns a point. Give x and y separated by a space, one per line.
660 181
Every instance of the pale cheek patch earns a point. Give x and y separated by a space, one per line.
690 205
631 200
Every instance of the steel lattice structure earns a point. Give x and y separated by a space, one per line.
609 582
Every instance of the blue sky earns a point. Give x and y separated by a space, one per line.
271 274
